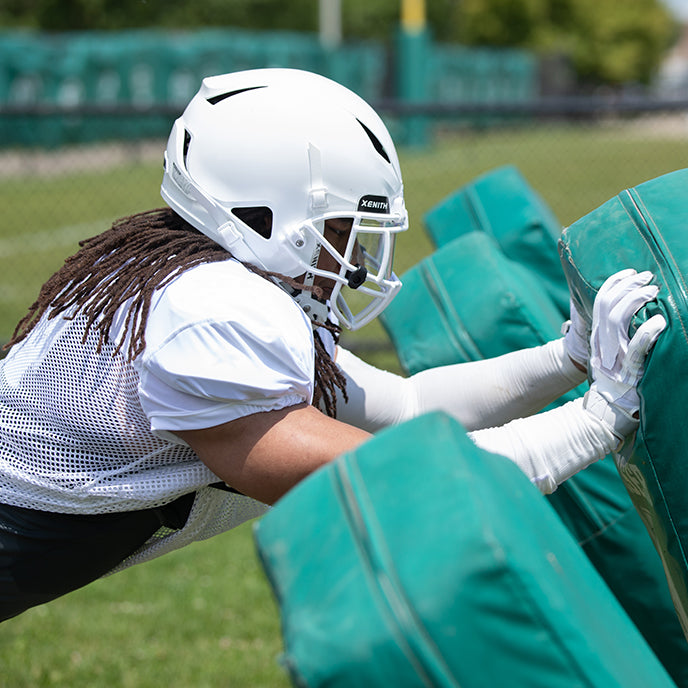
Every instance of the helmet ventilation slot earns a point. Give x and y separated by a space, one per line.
375 141
223 96
187 141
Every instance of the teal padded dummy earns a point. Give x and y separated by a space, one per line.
467 301
646 228
502 204
420 560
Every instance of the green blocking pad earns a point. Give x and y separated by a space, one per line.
465 302
468 301
646 228
502 204
421 560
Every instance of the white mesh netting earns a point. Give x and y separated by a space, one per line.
74 439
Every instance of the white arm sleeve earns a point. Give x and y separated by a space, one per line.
479 394
551 447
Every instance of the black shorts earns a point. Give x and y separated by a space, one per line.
44 555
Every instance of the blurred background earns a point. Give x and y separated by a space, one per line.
584 97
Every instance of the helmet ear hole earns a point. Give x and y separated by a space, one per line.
259 219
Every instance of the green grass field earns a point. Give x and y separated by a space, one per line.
204 616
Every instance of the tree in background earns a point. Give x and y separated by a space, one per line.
607 41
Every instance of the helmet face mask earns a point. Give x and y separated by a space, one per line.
260 160
363 281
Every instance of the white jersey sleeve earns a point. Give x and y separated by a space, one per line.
222 343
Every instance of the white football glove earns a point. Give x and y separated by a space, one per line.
576 338
617 361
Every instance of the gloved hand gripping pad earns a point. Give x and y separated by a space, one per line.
646 228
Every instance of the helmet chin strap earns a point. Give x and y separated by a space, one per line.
317 311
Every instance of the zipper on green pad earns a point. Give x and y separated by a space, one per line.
452 323
634 206
477 209
409 633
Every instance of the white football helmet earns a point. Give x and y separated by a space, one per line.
260 159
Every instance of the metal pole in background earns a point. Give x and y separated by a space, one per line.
412 56
330 23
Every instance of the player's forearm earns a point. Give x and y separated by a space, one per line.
479 394
494 391
551 447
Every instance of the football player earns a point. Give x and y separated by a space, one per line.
182 370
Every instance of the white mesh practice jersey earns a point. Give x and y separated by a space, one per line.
88 432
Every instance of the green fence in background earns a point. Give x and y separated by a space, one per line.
144 70
71 87
481 75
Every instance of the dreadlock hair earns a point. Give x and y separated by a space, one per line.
136 256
